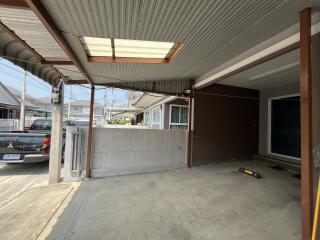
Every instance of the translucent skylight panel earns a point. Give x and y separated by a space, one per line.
98 48
102 47
142 44
96 41
99 53
140 55
142 50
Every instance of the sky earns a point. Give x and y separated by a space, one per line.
12 75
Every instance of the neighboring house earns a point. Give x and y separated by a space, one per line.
44 105
162 112
80 109
10 99
9 104
112 113
30 102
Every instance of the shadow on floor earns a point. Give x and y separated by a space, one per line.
23 168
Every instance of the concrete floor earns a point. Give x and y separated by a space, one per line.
209 202
17 178
27 203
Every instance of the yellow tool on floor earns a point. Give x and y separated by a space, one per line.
316 159
250 173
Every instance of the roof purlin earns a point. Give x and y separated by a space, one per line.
47 21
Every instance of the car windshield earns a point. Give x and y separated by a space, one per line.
41 125
82 123
46 124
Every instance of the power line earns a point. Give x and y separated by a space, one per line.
70 70
117 79
38 81
33 84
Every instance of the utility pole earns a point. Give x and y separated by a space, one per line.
104 104
23 96
69 105
112 102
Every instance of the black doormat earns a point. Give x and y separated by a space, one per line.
297 176
276 167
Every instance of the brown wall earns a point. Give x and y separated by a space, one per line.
225 127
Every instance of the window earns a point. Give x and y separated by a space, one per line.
284 127
156 115
146 118
86 110
128 50
178 117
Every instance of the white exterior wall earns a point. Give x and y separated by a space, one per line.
126 151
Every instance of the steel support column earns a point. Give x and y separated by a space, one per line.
89 145
189 140
306 123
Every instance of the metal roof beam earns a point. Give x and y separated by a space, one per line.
47 21
18 4
56 62
76 82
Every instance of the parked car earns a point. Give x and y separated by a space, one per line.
82 123
28 146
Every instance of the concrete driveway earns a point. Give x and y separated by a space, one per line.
17 178
27 203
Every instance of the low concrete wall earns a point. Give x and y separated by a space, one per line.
126 151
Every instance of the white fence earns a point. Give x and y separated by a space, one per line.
14 124
9 125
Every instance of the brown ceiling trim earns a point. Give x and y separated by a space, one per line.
113 49
56 62
17 4
99 59
177 49
47 21
74 82
19 40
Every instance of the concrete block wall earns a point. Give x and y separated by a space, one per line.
125 151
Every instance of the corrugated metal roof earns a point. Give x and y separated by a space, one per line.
70 71
28 27
19 55
212 31
172 87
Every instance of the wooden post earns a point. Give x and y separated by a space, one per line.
306 124
89 145
189 140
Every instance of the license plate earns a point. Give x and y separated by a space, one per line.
11 157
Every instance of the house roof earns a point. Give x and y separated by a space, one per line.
83 103
7 98
146 100
30 102
44 100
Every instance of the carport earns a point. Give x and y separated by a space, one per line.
208 47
